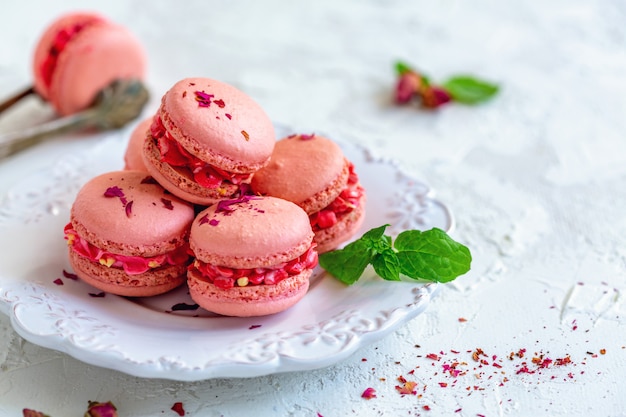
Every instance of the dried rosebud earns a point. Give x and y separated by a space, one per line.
407 87
32 413
96 409
434 97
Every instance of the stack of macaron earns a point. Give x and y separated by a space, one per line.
78 55
207 196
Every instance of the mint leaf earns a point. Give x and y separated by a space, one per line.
468 90
387 265
402 68
431 255
348 264
375 235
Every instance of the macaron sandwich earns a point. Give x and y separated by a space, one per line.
129 236
206 139
80 54
253 256
312 171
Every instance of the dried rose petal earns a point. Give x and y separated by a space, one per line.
149 180
220 103
203 99
407 87
369 393
97 409
185 307
32 413
128 208
167 204
69 275
114 191
97 295
407 388
58 281
434 97
245 135
178 408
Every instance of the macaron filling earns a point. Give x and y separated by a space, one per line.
172 153
132 265
61 40
226 278
347 201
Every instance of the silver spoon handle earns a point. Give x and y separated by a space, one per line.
11 143
16 98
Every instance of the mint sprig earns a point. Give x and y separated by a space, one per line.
468 90
430 255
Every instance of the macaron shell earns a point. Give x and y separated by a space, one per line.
229 130
133 157
250 301
116 281
156 221
99 54
346 227
179 183
263 231
42 49
310 171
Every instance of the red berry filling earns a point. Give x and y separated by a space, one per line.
174 154
59 43
132 265
224 277
347 201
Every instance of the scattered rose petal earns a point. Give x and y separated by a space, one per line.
214 222
97 409
32 413
204 219
203 99
245 135
220 103
307 137
69 275
114 191
184 307
254 326
149 180
128 208
58 281
178 408
97 295
369 393
229 116
167 204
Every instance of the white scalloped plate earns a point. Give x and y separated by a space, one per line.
145 337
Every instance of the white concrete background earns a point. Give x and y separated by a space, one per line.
536 179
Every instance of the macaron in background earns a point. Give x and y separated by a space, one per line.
129 236
81 53
207 138
312 172
133 156
254 256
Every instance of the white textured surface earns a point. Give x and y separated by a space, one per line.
536 180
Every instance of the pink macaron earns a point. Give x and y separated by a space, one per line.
254 256
133 157
312 171
81 53
207 138
129 236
